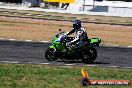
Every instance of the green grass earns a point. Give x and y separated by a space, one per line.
43 76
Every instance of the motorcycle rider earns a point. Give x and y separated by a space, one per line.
80 38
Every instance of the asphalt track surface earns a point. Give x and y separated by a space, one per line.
34 52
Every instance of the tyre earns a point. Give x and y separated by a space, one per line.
89 55
50 54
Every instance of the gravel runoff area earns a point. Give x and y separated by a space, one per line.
44 30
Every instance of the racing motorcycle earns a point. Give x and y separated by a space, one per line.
58 49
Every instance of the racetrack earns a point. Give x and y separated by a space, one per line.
33 52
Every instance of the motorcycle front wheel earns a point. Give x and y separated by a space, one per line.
50 54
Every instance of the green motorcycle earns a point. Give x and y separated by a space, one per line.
58 49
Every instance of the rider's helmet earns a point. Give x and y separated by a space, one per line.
76 24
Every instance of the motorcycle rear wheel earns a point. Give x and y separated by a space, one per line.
90 55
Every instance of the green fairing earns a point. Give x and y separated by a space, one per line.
96 40
52 47
54 38
57 44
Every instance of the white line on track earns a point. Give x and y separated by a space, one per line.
13 62
44 63
69 64
49 42
12 39
44 41
37 63
2 38
5 61
129 46
30 62
113 66
28 40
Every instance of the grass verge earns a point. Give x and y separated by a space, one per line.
44 76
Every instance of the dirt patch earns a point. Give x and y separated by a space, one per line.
39 30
